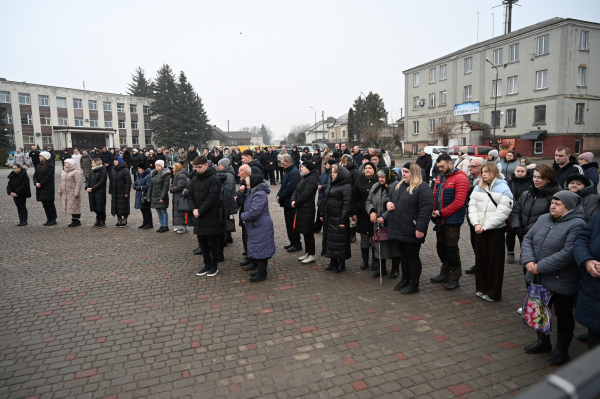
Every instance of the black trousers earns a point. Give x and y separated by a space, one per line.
50 210
318 223
563 311
511 240
101 215
410 260
309 243
146 216
21 203
289 214
262 267
271 174
245 238
447 249
489 263
210 249
280 173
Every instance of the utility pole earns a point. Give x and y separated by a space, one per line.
323 125
495 101
227 126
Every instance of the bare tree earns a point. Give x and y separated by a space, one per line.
447 130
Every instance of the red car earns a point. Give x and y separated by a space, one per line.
480 151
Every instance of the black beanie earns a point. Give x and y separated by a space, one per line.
406 166
372 165
142 166
309 165
332 162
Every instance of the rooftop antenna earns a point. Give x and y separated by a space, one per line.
508 5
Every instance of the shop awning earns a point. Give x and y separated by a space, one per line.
534 135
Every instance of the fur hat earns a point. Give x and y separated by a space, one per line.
161 163
70 161
142 166
576 176
463 149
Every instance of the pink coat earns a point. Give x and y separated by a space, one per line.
70 189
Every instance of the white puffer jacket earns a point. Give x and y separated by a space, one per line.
482 210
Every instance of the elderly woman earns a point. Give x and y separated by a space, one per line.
295 156
96 188
590 168
489 207
178 184
303 200
279 165
335 215
171 158
182 158
548 256
582 186
18 188
326 156
70 191
158 195
43 178
141 186
364 226
119 189
261 234
19 158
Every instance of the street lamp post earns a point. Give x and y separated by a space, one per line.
495 99
315 127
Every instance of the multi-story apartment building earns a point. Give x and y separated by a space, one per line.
547 91
48 116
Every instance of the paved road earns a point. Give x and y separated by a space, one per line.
120 313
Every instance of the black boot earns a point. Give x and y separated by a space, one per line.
395 268
411 288
341 266
365 258
119 221
229 238
198 251
253 265
97 223
102 224
353 234
141 226
332 264
383 269
542 344
561 353
261 273
221 257
403 283
374 260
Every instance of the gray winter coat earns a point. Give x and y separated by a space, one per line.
550 244
589 201
159 189
229 190
177 186
376 203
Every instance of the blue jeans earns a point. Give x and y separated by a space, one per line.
163 217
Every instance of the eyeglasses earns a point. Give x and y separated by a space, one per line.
473 167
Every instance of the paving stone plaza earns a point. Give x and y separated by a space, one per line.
120 313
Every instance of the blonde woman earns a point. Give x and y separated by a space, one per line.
409 203
490 205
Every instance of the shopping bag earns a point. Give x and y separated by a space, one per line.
536 312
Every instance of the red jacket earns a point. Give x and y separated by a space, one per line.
453 197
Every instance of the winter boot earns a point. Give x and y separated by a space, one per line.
542 344
365 258
97 223
102 224
411 288
395 268
261 273
341 266
332 264
401 284
510 257
561 353
374 260
119 221
353 234
124 222
383 269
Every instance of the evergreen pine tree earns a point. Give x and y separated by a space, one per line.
193 123
166 125
351 127
266 133
140 86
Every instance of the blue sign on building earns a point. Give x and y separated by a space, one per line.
466 108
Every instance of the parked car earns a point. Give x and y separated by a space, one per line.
434 151
480 151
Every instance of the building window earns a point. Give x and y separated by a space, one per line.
463 141
511 117
77 104
120 107
79 122
343 133
443 72
541 79
43 101
514 53
28 139
498 56
134 125
93 122
133 108
92 105
415 103
45 120
432 75
121 124
146 110
468 93
4 97
431 125
496 88
538 147
443 95
579 109
581 76
583 40
123 140
415 127
416 79
539 114
146 126
46 139
432 100
513 85
107 106
543 44
26 119
136 140
415 148
108 123
578 146
469 65
7 118
495 118
24 99
61 102
63 121
332 136
149 140
442 121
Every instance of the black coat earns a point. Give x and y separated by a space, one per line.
191 155
255 167
18 183
335 211
354 172
106 158
425 163
204 194
271 157
572 168
531 205
35 157
412 213
120 185
304 195
44 174
134 161
360 193
296 158
97 182
317 160
519 185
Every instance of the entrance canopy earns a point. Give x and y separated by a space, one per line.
534 135
85 138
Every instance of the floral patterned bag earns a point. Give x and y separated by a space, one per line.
536 312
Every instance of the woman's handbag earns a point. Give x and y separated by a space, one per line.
230 224
380 235
182 205
536 312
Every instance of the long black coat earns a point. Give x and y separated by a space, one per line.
354 172
120 185
519 185
204 194
134 161
18 183
44 174
295 157
360 193
304 195
97 182
425 162
412 213
271 157
530 206
335 211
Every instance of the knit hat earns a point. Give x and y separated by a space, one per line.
161 163
331 161
70 161
135 150
225 162
46 155
463 149
576 176
588 156
309 165
493 153
406 166
142 166
367 157
372 165
571 200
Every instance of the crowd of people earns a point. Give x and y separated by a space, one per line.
552 210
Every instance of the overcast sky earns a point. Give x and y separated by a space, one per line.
254 62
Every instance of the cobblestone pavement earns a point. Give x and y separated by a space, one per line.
120 313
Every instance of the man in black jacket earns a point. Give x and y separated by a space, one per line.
248 159
204 198
425 162
565 165
191 155
271 164
134 160
345 150
236 162
126 156
357 155
290 180
64 155
34 155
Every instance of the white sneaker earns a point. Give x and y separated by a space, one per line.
176 228
520 311
303 257
487 298
309 259
182 230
